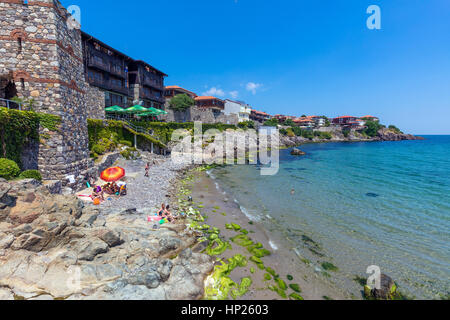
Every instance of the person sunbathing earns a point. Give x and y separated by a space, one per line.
122 188
107 188
168 214
98 193
162 211
115 188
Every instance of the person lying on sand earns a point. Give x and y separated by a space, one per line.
98 193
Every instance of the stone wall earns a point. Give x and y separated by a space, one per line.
44 58
198 114
95 100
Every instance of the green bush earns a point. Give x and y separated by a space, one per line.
31 174
372 128
8 169
325 135
246 125
271 123
98 149
289 123
130 154
395 129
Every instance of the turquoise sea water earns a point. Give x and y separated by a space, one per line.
382 203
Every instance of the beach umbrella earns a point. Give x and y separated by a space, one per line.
113 174
153 109
136 109
116 109
150 113
163 112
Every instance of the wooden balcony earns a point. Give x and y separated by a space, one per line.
153 83
118 72
108 85
150 96
98 64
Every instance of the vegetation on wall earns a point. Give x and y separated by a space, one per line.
181 102
106 136
163 131
17 128
271 123
246 125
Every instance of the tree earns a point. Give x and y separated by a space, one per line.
271 123
289 123
181 102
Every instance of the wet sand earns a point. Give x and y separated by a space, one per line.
213 202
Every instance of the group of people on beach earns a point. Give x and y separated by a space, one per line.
112 189
165 213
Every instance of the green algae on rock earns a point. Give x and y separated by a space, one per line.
281 284
218 286
272 272
295 296
217 247
280 292
242 289
267 277
295 287
329 266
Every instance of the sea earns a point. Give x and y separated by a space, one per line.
356 205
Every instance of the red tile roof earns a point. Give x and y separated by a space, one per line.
179 88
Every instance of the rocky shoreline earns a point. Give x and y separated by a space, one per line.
55 247
337 136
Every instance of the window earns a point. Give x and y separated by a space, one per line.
19 43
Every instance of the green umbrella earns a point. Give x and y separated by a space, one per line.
157 111
136 109
115 109
149 113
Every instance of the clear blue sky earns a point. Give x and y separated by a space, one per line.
294 57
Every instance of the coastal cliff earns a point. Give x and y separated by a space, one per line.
383 134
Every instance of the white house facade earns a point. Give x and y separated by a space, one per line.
238 108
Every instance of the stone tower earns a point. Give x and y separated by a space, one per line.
43 57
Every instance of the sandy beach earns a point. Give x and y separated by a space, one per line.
146 194
219 210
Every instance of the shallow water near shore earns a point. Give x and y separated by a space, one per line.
357 205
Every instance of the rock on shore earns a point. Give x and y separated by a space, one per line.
297 152
389 135
56 247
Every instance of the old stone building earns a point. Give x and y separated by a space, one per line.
41 58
